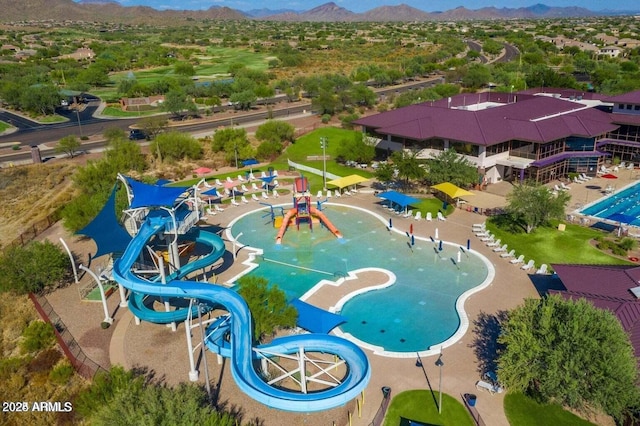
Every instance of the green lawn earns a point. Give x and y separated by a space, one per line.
420 405
4 126
524 411
118 112
549 245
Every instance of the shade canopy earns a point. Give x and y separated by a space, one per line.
451 190
213 192
145 195
397 197
314 319
104 229
202 170
347 181
609 176
250 162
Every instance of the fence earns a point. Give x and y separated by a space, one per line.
311 170
84 365
33 231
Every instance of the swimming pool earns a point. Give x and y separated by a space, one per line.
625 204
418 311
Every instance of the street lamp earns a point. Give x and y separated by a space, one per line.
440 363
79 125
323 144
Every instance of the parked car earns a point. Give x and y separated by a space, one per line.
137 134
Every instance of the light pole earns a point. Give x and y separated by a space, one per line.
79 125
440 363
323 144
235 152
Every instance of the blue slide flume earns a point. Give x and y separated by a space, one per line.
240 348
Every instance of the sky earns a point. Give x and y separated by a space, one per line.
364 5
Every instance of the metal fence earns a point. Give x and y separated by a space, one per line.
33 231
84 365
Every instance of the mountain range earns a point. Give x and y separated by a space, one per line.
111 11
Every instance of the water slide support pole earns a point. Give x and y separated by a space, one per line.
107 318
193 373
303 372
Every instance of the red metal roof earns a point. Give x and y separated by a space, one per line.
625 98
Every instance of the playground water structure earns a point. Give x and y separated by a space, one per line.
303 211
419 308
623 203
237 325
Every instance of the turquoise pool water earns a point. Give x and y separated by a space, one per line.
625 204
415 313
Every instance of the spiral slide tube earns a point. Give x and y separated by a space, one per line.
242 353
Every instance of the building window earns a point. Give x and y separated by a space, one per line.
465 148
636 107
629 106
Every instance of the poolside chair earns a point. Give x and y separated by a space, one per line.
622 164
479 226
481 384
338 195
244 200
563 186
275 193
441 217
234 202
408 213
218 183
254 186
319 194
630 166
264 195
482 234
208 185
501 249
428 218
244 188
251 177
495 243
508 255
254 198
275 183
275 173
519 259
576 180
264 175
542 270
229 179
211 212
530 264
556 188
418 215
218 208
328 193
241 178
584 177
227 192
490 237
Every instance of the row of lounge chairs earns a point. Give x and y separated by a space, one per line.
489 239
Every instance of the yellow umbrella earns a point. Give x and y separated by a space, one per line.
451 190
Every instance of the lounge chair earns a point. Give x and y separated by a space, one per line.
530 264
519 259
264 195
338 194
441 217
244 188
483 233
328 193
208 185
229 179
418 215
563 186
244 200
254 186
428 218
556 188
495 243
254 197
584 177
234 202
251 177
275 183
501 249
218 183
488 238
509 255
630 166
241 178
479 226
576 180
542 270
622 165
481 384
218 208
319 194
408 213
211 212
275 193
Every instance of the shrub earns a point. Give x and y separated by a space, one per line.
326 118
61 373
32 268
37 336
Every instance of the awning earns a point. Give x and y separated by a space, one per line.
314 319
396 197
451 190
345 181
213 192
104 229
145 195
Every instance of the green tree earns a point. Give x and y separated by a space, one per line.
40 99
33 268
184 68
176 101
384 173
153 125
234 143
275 130
268 305
569 352
530 205
356 149
176 146
448 166
407 165
68 145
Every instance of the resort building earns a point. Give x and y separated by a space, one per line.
539 134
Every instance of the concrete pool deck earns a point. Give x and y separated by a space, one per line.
158 349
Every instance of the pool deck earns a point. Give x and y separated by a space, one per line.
158 349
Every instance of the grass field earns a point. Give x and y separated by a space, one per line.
548 245
4 126
421 406
118 112
524 411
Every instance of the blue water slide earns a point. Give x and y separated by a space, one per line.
145 313
240 346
